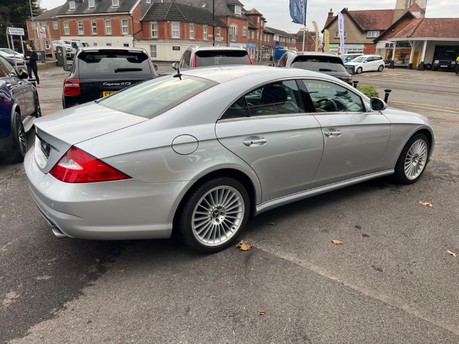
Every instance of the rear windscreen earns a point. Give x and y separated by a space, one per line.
212 58
124 63
319 63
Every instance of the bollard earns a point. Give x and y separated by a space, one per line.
355 83
386 96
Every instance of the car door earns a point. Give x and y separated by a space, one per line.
14 84
355 140
373 63
270 131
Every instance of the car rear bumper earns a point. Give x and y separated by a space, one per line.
120 210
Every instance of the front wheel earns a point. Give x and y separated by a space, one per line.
380 68
359 70
19 137
413 160
214 215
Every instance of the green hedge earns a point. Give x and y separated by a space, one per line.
369 91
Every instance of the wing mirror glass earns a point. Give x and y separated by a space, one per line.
377 104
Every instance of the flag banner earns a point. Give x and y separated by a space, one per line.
341 32
298 11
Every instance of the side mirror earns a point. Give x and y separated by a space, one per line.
175 65
23 74
377 104
67 67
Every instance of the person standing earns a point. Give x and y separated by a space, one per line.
31 61
457 65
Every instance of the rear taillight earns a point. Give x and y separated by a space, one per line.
77 166
72 87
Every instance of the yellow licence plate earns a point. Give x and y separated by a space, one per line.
107 93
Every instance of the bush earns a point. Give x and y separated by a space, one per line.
369 91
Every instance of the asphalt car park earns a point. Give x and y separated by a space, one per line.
372 263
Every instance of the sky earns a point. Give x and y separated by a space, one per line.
278 16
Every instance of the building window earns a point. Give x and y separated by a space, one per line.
108 26
124 27
66 28
115 3
233 33
93 27
175 29
153 52
218 38
154 29
91 3
55 25
237 10
205 34
373 34
125 44
80 27
72 5
108 44
253 34
191 31
337 34
244 31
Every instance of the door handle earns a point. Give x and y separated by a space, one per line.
330 133
255 141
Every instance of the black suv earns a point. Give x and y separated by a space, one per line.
98 72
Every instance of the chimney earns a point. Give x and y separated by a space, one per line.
330 13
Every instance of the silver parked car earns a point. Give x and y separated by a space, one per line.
201 151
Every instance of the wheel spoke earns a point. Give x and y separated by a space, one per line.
218 215
415 160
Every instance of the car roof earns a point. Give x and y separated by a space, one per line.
217 48
101 49
252 74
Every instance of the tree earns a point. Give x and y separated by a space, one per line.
15 14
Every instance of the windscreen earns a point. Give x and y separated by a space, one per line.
222 57
154 97
111 62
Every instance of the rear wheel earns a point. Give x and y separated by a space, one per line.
413 160
214 215
19 137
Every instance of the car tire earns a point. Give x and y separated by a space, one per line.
380 68
19 137
413 159
213 215
359 70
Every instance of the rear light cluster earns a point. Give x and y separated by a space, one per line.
77 166
72 87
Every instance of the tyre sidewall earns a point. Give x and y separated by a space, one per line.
399 174
185 214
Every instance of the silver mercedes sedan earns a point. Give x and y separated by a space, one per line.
199 153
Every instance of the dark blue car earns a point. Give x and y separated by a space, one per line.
19 105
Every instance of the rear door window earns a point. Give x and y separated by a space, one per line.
129 64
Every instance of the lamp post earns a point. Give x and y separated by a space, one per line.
213 23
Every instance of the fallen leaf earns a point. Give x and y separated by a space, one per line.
452 253
337 242
244 245
261 312
426 204
120 270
